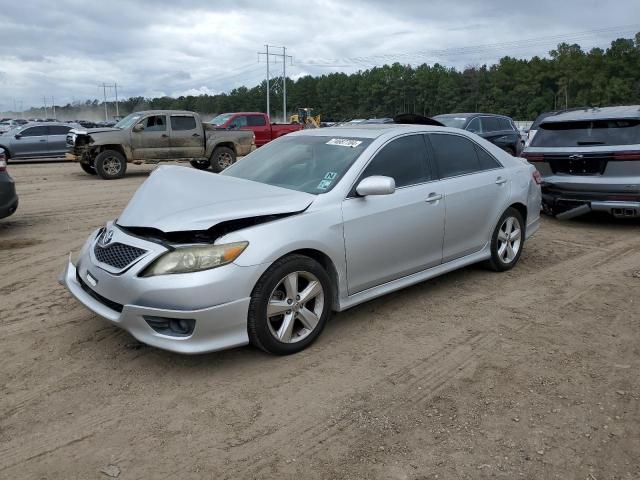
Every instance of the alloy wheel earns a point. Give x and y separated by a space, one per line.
509 239
111 166
225 160
295 307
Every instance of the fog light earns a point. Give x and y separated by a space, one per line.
174 327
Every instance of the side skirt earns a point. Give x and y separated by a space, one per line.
409 280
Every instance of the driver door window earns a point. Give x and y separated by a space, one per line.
239 122
155 123
474 126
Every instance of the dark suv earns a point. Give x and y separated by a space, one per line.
498 129
8 197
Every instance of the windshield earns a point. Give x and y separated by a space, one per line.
221 119
128 121
587 133
451 120
309 164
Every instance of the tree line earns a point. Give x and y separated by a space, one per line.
519 88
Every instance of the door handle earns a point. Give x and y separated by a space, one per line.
164 135
434 197
501 180
43 140
195 135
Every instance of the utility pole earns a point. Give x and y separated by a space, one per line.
53 106
115 86
104 92
46 115
284 57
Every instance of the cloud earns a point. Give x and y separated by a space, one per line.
68 48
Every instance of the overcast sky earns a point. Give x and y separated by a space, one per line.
66 48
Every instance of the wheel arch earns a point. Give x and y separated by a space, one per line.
116 147
522 209
325 261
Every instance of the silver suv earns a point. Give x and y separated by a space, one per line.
589 160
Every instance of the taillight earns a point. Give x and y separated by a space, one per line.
630 155
3 163
533 157
536 177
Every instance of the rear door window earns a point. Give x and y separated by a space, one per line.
504 124
256 121
182 122
490 124
454 155
475 126
403 159
587 133
58 130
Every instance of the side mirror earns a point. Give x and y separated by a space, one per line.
18 136
376 185
138 127
232 126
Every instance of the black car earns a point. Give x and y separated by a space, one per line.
498 129
8 196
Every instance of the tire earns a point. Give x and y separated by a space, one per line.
221 158
90 169
502 257
110 165
270 333
200 164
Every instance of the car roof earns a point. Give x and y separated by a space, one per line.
604 113
372 130
165 112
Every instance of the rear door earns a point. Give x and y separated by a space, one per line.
391 236
476 190
57 140
152 142
187 137
261 129
32 142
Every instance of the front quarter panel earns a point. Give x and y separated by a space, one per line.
320 229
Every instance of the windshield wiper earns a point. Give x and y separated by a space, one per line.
588 142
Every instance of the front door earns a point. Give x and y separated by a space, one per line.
187 140
261 129
391 236
31 142
152 142
476 189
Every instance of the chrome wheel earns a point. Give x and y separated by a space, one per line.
225 160
295 307
112 166
509 239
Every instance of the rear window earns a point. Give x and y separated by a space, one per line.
182 122
587 133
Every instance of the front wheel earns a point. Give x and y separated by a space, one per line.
90 169
221 158
110 165
289 305
507 241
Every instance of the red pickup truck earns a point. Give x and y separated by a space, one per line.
259 123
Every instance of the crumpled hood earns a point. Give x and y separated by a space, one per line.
176 199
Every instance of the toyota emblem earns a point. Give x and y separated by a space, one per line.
106 238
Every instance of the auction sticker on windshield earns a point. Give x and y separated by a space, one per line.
344 142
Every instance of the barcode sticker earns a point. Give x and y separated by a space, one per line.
344 142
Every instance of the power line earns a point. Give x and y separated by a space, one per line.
284 57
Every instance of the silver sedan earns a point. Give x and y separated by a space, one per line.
314 222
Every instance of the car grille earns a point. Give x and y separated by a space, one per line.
118 255
588 164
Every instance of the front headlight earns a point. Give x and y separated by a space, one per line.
195 258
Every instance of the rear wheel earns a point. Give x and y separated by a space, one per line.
200 164
110 165
90 169
221 158
289 305
507 241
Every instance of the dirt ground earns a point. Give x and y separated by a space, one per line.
533 373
